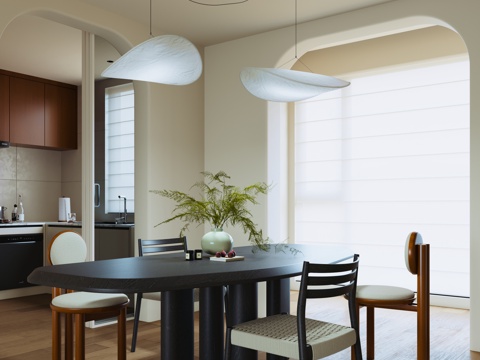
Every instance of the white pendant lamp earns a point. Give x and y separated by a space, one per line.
283 85
166 59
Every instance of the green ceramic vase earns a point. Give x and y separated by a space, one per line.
216 240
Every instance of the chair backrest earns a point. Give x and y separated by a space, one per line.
324 281
411 252
67 247
153 247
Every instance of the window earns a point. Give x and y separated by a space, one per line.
386 156
119 148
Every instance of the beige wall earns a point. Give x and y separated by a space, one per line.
237 123
406 47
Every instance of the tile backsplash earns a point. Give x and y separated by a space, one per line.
37 175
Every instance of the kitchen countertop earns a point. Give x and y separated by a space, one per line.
21 224
17 224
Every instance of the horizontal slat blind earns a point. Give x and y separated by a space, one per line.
119 147
386 156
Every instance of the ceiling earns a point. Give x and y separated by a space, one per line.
39 47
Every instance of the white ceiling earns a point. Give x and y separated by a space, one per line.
42 48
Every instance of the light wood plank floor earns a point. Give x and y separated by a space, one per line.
26 325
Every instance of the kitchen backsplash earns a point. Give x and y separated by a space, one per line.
41 177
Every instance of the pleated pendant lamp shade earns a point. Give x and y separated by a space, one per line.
165 59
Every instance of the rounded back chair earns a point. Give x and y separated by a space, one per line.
417 262
78 307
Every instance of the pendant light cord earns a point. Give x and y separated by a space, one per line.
151 18
296 32
296 38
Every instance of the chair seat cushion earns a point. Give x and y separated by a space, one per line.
88 300
277 334
384 293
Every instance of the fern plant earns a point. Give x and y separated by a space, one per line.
219 204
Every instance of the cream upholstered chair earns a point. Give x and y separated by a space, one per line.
156 247
65 248
298 337
417 261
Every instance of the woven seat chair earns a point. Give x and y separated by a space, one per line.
417 261
156 247
78 307
298 337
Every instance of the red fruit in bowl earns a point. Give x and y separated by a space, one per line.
223 253
231 254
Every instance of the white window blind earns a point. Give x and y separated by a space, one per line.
119 148
386 156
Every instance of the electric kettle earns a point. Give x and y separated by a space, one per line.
3 213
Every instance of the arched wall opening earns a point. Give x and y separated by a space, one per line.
280 159
342 198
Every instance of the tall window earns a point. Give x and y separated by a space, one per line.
119 148
386 156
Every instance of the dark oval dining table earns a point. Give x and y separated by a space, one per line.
176 278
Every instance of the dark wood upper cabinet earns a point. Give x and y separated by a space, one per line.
60 117
27 114
37 112
4 108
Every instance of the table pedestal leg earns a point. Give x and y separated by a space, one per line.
278 301
211 323
242 306
177 325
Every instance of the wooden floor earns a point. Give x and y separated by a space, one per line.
25 333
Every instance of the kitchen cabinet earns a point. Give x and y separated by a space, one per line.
37 112
60 117
113 243
4 108
27 115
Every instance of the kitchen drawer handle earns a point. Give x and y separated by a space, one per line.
18 242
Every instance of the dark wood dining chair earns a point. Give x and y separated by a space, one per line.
417 261
156 247
78 307
299 337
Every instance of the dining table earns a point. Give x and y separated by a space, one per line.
228 289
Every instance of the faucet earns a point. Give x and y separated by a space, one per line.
124 217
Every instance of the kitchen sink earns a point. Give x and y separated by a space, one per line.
112 223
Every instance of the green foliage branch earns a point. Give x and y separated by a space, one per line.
219 204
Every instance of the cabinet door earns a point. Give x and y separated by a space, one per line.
4 108
27 119
113 243
60 117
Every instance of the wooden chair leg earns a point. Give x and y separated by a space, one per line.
122 335
370 333
68 336
79 337
423 303
56 336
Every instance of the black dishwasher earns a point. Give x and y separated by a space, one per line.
20 254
